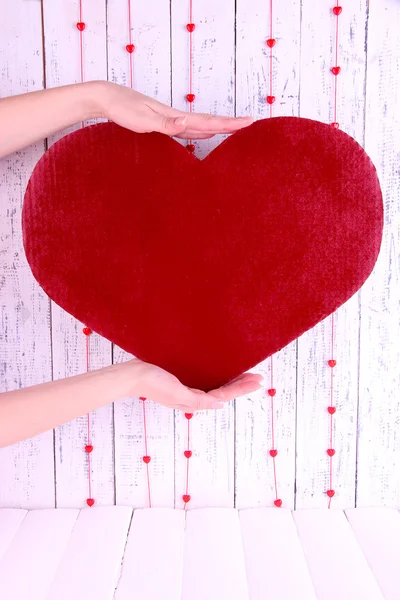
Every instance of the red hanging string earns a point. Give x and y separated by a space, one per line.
188 454
89 446
332 362
190 97
270 42
81 26
146 458
130 48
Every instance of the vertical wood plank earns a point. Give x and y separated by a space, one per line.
151 76
213 565
69 344
337 565
378 480
31 561
91 563
254 467
10 521
26 468
378 532
159 534
272 549
212 463
313 420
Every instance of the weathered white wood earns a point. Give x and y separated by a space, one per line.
151 37
68 341
91 562
212 464
28 567
378 480
153 558
10 521
272 550
151 76
131 471
378 532
337 565
213 566
253 440
26 469
316 102
213 60
254 466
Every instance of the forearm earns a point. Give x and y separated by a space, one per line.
28 412
27 118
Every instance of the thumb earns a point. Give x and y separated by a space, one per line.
171 125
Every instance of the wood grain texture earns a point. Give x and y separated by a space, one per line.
336 562
313 420
378 475
212 464
27 468
253 433
230 459
68 342
151 76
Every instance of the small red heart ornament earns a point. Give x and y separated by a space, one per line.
186 498
203 267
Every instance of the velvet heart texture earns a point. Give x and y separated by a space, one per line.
204 268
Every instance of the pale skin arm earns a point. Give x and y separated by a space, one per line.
32 117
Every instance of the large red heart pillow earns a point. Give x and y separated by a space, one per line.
204 268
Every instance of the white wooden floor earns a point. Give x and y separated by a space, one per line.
112 553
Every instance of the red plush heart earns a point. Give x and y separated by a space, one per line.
204 268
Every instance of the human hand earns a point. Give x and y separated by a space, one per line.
142 114
158 385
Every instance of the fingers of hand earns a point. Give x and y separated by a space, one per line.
210 124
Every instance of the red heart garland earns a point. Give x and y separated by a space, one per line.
204 268
186 498
188 453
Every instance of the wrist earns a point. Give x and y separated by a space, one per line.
93 94
127 377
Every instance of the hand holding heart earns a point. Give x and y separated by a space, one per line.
142 114
159 385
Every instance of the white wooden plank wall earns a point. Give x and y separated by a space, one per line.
230 464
